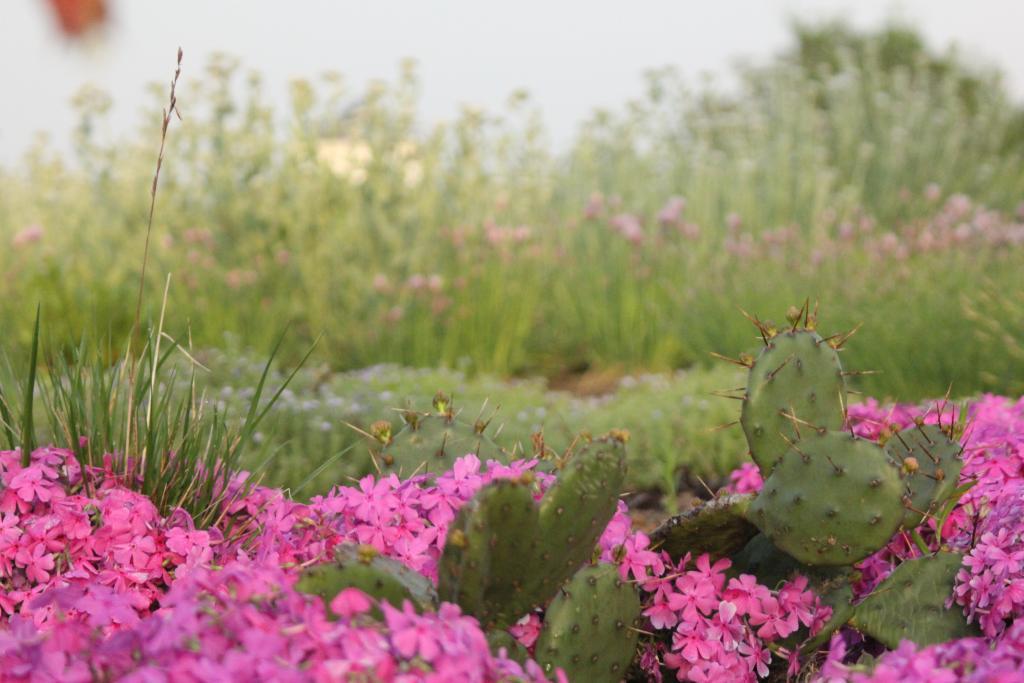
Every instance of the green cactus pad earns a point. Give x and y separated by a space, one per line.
431 442
575 511
487 554
911 604
798 374
839 596
718 527
588 627
379 577
832 500
505 555
930 463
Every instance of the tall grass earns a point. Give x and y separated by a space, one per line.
473 245
127 413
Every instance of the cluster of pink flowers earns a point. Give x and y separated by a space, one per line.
710 628
722 630
104 583
991 583
101 582
245 623
406 519
967 660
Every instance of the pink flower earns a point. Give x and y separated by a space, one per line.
38 563
690 641
637 559
30 485
350 602
746 479
746 593
411 636
527 629
773 620
27 235
136 552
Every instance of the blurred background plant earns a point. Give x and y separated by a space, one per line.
864 170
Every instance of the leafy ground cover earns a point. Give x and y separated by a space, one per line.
322 418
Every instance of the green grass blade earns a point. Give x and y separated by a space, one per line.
254 415
5 418
327 463
28 438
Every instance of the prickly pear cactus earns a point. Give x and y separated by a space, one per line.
505 554
718 527
363 568
588 628
488 553
431 441
575 511
796 380
832 499
930 464
911 604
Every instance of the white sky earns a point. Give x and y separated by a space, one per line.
571 55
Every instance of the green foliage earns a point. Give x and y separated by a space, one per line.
28 427
668 418
823 49
505 555
911 604
147 413
589 627
379 577
469 244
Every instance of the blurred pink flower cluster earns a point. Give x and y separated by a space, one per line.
245 623
967 660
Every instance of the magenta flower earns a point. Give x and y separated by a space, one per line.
38 563
636 559
527 629
411 635
350 602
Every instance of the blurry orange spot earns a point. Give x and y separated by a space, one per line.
77 16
